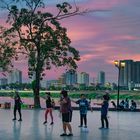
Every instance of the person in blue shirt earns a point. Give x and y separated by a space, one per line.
104 111
83 107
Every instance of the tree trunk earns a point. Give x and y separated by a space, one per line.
37 84
36 90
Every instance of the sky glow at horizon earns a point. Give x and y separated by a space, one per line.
101 37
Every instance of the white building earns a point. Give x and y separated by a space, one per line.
83 78
15 76
43 83
54 83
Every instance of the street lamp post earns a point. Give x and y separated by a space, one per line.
119 65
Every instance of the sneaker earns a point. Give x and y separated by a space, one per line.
51 123
64 134
70 134
45 122
14 119
85 126
20 120
101 128
80 126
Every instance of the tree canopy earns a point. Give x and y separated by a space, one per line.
7 50
40 37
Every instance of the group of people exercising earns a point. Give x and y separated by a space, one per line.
66 110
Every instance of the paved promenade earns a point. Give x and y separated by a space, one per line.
123 126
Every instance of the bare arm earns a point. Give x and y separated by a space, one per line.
64 101
73 101
98 104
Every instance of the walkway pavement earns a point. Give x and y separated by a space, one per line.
123 126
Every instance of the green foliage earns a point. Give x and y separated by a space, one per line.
75 95
7 52
41 37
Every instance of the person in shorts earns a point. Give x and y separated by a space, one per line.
66 110
49 108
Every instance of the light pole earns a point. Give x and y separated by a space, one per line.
119 65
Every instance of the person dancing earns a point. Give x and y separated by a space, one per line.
17 106
49 108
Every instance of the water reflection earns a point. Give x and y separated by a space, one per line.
48 131
84 133
105 134
16 130
35 130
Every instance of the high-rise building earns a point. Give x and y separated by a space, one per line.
83 78
15 76
71 77
101 78
136 72
126 73
62 79
3 81
130 74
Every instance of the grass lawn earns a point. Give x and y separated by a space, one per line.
76 94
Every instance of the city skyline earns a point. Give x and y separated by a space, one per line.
101 37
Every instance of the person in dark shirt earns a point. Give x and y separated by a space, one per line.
133 105
114 104
126 103
121 105
104 111
49 108
66 110
83 107
17 106
107 95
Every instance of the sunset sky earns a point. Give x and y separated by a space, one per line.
101 37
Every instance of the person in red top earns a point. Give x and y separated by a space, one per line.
49 108
66 110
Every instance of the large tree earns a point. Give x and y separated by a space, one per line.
7 50
41 37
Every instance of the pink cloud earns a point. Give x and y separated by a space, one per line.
126 37
101 39
104 4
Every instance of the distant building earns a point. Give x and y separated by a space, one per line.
136 72
62 79
43 83
101 78
83 78
71 78
3 81
15 76
130 74
54 83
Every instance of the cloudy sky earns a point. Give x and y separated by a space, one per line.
101 37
